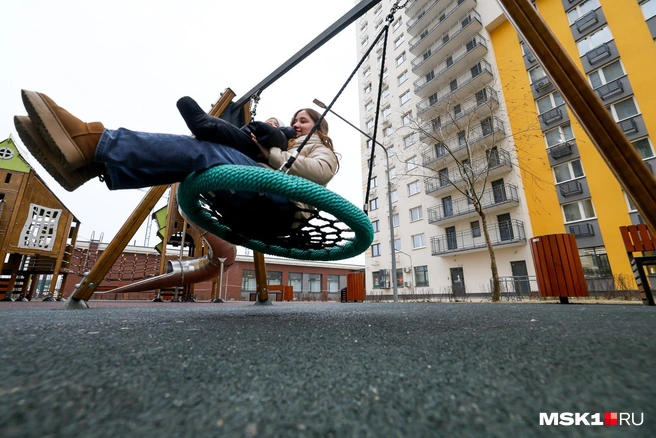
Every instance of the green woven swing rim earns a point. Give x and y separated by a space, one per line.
262 180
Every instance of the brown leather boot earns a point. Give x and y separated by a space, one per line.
68 179
70 139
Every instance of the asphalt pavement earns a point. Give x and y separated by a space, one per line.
324 369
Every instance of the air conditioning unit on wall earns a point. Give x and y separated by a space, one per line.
407 269
407 283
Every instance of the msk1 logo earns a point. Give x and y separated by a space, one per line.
588 419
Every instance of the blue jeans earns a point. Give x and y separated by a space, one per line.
141 159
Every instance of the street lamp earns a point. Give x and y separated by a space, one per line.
411 269
218 299
395 289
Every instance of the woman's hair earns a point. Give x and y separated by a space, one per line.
322 130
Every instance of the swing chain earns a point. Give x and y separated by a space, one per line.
255 99
395 7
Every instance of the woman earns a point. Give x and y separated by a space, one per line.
73 152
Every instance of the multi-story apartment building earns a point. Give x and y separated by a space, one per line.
467 111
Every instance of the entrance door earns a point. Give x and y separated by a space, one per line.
520 278
498 191
447 206
458 282
505 227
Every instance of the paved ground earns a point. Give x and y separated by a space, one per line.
325 370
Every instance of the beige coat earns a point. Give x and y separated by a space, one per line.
315 162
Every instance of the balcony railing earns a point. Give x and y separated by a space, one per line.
445 92
541 83
598 53
502 233
582 230
493 197
561 150
422 13
586 21
629 126
459 53
457 143
479 167
610 89
570 188
447 37
552 115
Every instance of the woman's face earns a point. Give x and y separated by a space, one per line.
303 123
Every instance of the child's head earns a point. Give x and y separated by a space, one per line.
273 121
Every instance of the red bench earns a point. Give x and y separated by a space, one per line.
638 239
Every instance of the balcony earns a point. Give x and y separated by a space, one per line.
493 199
570 188
421 19
582 230
472 80
629 126
503 233
598 54
427 44
480 168
560 150
586 21
541 83
414 6
552 115
610 89
480 105
462 58
530 57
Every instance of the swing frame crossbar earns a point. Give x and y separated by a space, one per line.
612 144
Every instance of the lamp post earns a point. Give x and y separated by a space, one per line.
411 269
395 289
218 299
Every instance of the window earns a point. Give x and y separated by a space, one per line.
385 92
411 164
369 162
248 280
398 42
405 97
416 214
390 151
407 119
577 211
549 102
648 9
364 27
593 40
394 195
397 24
376 226
367 89
629 203
644 148
418 241
536 74
559 135
40 228
369 106
568 171
367 72
295 280
8 178
370 143
314 283
396 220
409 140
370 124
403 77
333 283
606 74
400 59
385 74
374 182
414 188
624 109
475 228
392 173
6 153
373 204
595 262
364 42
375 250
421 276
397 245
582 9
388 131
387 112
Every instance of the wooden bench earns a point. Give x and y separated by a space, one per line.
638 239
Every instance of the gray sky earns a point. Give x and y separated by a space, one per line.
125 63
